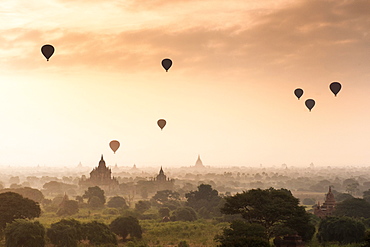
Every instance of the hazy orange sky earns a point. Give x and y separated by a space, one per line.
228 95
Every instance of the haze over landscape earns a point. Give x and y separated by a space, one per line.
228 95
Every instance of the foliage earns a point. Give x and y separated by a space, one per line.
366 195
164 212
142 206
24 233
342 229
95 202
242 234
65 233
117 202
308 201
68 207
27 192
339 197
185 214
94 191
98 233
354 207
164 196
55 187
205 201
14 206
270 207
124 226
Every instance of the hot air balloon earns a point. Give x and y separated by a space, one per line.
335 87
298 92
161 123
47 51
310 103
114 145
166 63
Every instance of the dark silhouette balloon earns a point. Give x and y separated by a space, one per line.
114 145
161 123
335 87
47 51
166 63
298 93
310 103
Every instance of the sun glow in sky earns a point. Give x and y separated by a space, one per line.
228 95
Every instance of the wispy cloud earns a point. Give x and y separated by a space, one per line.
305 34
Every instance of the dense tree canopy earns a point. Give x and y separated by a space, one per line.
242 234
354 207
342 229
68 207
65 233
164 196
185 214
27 192
125 226
23 233
117 202
14 206
205 201
98 233
270 207
94 191
142 206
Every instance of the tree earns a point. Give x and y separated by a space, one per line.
164 212
185 214
270 207
95 202
68 207
366 195
27 192
65 233
123 226
98 233
342 229
94 191
242 234
308 201
24 233
117 202
14 206
164 196
205 201
354 207
142 206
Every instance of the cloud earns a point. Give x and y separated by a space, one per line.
307 36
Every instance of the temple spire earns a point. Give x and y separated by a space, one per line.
101 162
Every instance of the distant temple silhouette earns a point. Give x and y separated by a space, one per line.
101 176
328 207
199 163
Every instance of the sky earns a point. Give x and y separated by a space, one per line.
228 96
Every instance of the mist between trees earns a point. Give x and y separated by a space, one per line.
190 207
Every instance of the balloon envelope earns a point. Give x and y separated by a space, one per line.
161 123
114 145
298 93
47 51
166 63
310 103
335 87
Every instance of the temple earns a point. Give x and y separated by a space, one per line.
199 163
161 182
328 207
101 176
